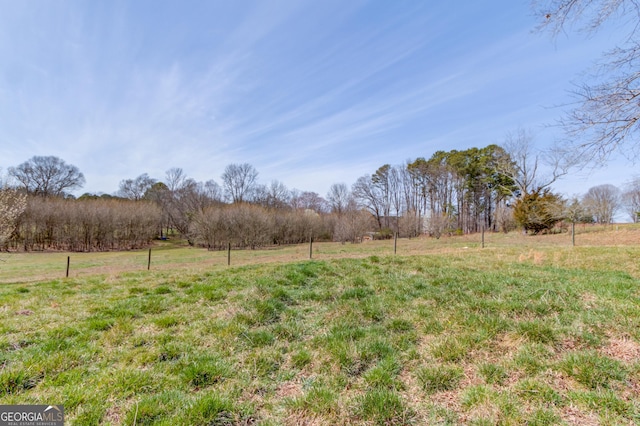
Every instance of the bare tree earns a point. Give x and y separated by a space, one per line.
607 112
175 178
411 223
396 190
532 170
135 189
182 197
339 198
86 224
238 181
47 176
308 200
369 195
12 204
576 212
382 180
213 191
275 195
352 226
602 202
208 228
187 200
631 199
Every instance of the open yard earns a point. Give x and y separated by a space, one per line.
528 330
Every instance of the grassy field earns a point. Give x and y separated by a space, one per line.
528 330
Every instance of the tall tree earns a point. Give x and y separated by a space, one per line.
135 189
369 196
381 179
396 190
182 197
275 195
238 181
421 183
307 200
187 200
465 189
631 199
213 191
339 198
530 169
175 178
47 176
602 202
607 115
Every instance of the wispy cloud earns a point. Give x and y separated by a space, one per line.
308 92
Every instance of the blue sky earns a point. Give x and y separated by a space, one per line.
309 92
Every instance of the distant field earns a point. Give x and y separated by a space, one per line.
528 330
170 255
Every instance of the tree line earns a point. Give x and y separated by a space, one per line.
454 192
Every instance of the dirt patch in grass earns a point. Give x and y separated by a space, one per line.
590 300
114 415
569 344
289 390
470 376
224 311
411 391
486 411
560 382
574 416
448 399
623 349
508 344
298 418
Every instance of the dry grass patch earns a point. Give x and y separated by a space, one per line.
623 349
448 399
536 257
289 390
575 416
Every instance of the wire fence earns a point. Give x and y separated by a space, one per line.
172 255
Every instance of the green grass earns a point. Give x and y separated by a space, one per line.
439 378
470 336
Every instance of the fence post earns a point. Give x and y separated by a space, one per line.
483 237
310 247
149 261
68 263
395 243
229 254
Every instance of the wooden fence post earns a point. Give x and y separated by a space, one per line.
68 263
395 243
149 261
229 254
